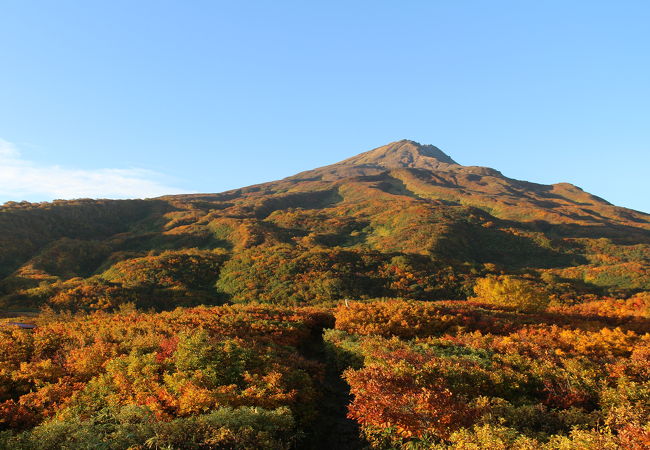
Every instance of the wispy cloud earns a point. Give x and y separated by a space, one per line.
23 179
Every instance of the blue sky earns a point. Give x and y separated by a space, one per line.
139 98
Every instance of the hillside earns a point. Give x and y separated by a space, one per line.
403 220
412 303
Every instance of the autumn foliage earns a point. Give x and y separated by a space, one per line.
510 292
434 376
233 373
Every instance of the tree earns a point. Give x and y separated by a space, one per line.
513 293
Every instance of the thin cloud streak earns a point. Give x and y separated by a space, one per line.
23 179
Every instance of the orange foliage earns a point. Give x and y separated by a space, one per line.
176 364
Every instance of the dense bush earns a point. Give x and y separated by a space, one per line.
510 292
191 268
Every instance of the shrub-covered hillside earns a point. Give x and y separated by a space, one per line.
403 220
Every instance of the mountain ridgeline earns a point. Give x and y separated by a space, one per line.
403 220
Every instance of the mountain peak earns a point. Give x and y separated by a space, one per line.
399 154
396 155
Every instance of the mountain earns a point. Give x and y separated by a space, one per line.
402 220
425 172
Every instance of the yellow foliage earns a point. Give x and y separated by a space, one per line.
511 293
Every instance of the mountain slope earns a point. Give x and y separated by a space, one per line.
401 220
428 173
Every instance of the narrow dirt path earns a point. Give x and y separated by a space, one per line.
332 430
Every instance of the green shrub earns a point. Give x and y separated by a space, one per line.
132 427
